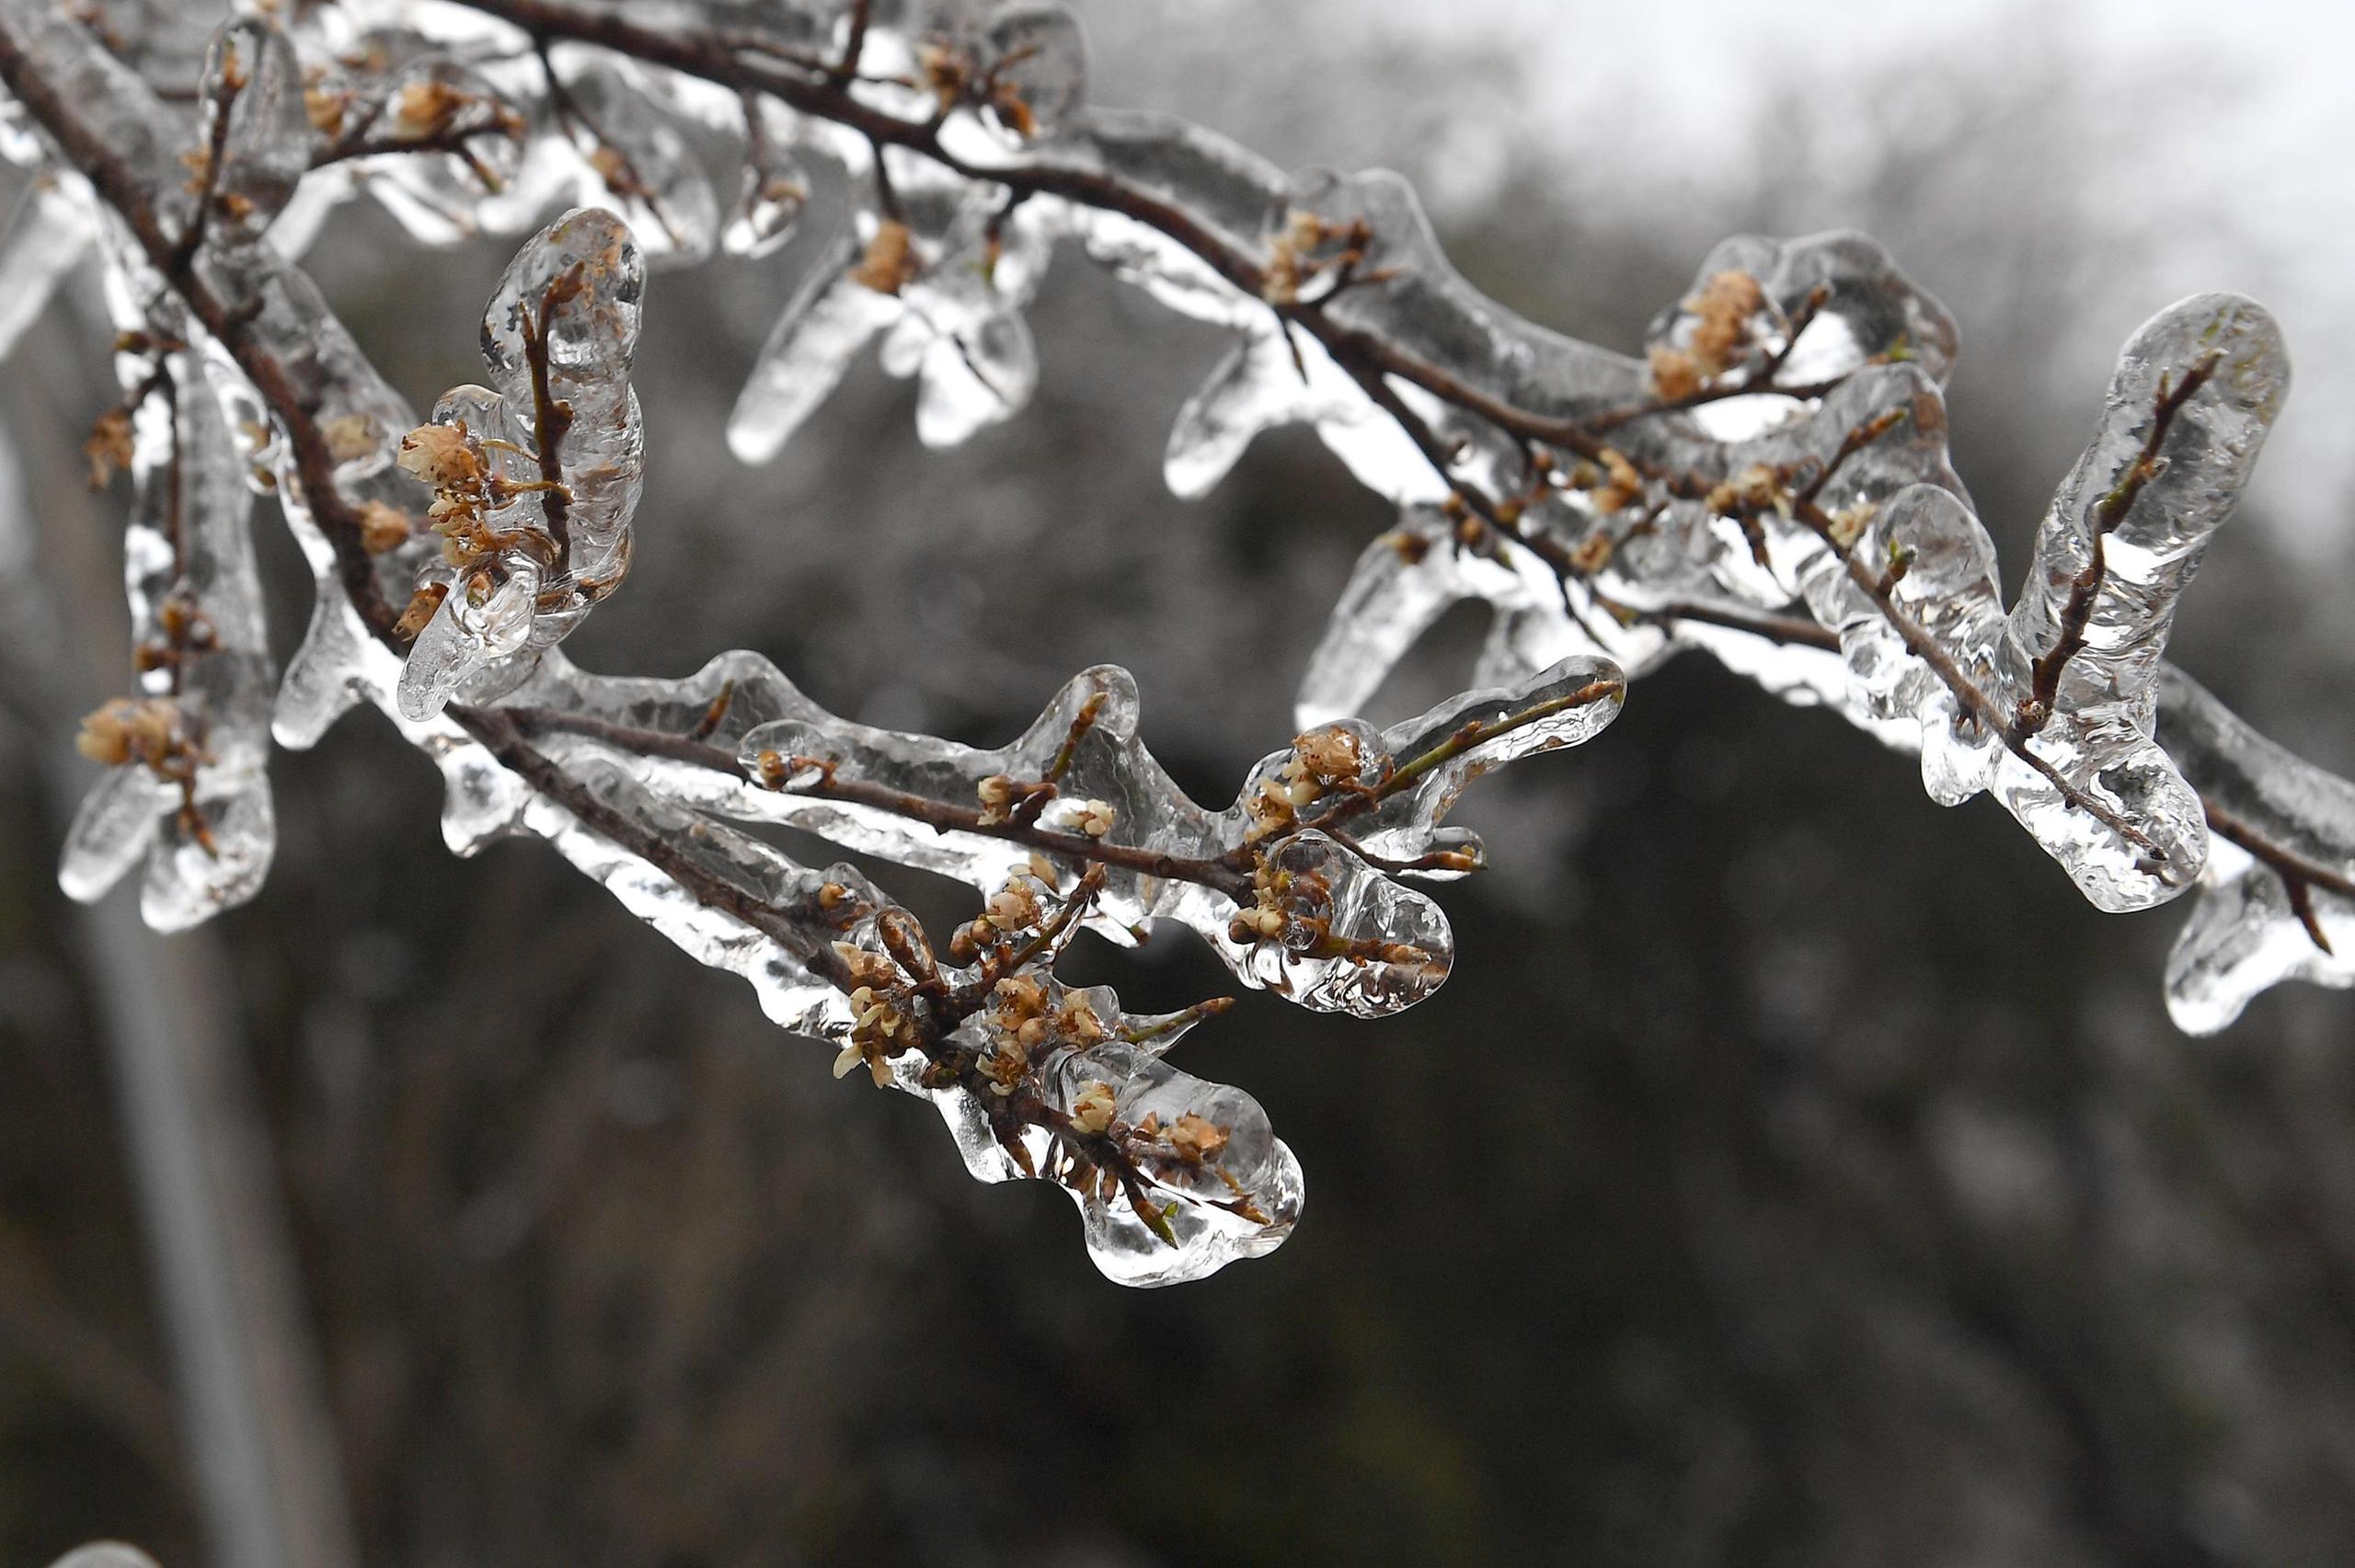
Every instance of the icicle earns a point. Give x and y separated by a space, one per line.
1035 72
256 126
776 187
189 789
637 160
828 321
2196 389
2283 912
536 479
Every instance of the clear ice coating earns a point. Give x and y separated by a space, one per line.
534 478
437 142
1174 1176
634 157
257 140
2258 919
1776 458
1296 885
1034 70
2196 389
944 283
776 187
187 789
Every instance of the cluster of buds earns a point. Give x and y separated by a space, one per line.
1758 488
1322 760
467 491
432 110
999 795
151 731
1267 919
1193 1138
1023 1022
1014 908
1090 818
1612 483
324 104
156 733
1849 524
880 1027
1308 247
1726 319
182 629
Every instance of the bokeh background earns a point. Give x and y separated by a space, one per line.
1792 1172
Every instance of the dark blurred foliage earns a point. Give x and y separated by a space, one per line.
1791 1173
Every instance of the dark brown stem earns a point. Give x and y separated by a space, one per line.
551 416
940 816
2299 873
2044 687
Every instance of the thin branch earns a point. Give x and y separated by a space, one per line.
2044 689
2300 874
1370 360
939 816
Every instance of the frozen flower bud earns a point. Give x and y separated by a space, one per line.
1093 817
1196 1139
1091 1111
128 729
440 454
383 528
109 448
891 262
423 110
349 437
1329 754
1013 908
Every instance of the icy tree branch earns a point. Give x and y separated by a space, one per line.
1770 483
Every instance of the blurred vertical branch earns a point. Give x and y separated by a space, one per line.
252 1410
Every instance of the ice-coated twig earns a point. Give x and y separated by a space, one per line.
1174 1176
1347 273
1769 483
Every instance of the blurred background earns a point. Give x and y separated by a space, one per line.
1792 1172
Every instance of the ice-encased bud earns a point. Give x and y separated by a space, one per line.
534 482
190 793
1346 938
2196 389
448 144
2250 920
1943 569
484 617
1235 1191
1819 308
633 156
253 77
1036 69
777 187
